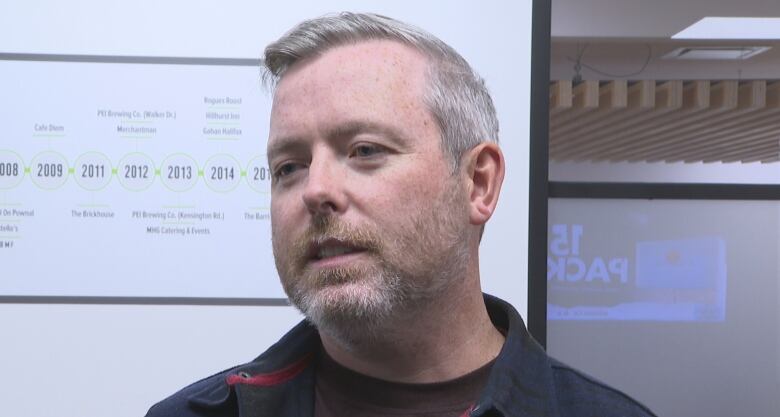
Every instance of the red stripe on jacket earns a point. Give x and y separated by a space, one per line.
273 378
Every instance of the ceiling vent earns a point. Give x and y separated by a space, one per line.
716 52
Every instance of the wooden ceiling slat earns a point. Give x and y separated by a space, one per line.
768 159
702 121
734 135
671 94
673 103
756 154
561 96
751 102
727 96
645 103
615 94
585 99
594 100
640 97
753 95
617 144
723 99
736 129
612 97
773 159
668 108
769 138
753 141
613 100
697 96
586 95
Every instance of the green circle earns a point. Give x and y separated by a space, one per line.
248 181
21 177
66 172
119 178
108 176
238 165
197 170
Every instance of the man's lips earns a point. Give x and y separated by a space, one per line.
327 251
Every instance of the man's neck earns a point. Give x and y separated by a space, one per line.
442 341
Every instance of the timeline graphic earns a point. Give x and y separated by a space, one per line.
145 178
135 171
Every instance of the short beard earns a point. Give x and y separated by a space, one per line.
361 304
352 303
356 304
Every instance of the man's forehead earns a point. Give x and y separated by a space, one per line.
371 80
386 61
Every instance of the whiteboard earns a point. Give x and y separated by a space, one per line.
133 143
136 179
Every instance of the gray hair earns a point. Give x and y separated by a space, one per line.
457 96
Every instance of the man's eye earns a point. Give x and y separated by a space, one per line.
286 169
365 150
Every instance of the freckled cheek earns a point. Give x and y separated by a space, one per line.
401 197
277 218
283 216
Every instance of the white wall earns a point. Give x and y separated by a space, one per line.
116 360
87 360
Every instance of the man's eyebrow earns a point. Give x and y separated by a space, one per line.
355 127
284 144
342 130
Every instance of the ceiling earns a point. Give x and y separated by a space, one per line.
624 41
629 38
637 59
671 121
658 19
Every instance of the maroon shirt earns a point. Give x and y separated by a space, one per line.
341 392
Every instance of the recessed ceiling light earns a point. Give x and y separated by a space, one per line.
732 28
716 52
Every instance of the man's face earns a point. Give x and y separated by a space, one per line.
367 219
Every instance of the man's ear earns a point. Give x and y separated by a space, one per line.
485 169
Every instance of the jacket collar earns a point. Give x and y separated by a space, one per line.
520 383
292 349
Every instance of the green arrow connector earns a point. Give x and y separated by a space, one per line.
157 172
200 173
26 170
113 171
243 173
71 171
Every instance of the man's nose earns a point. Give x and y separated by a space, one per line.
324 190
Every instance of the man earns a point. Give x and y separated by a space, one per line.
383 148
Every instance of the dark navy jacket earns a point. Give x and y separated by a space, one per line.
523 382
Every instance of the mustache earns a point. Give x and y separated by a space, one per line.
328 227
